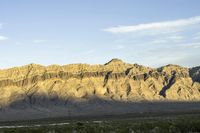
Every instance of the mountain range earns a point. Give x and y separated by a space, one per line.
37 91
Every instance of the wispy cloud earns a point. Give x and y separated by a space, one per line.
39 41
196 36
169 39
3 38
167 42
165 25
176 37
159 41
191 45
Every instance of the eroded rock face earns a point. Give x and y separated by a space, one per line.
115 80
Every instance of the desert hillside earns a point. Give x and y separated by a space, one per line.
35 91
114 80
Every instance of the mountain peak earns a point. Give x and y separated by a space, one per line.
115 61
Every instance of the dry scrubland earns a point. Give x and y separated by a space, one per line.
187 123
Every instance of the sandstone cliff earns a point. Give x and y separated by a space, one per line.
113 81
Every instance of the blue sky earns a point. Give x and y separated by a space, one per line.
147 32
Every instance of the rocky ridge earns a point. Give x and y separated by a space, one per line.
114 81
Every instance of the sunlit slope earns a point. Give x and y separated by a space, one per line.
113 81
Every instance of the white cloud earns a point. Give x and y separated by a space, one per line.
166 25
3 38
176 39
39 41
